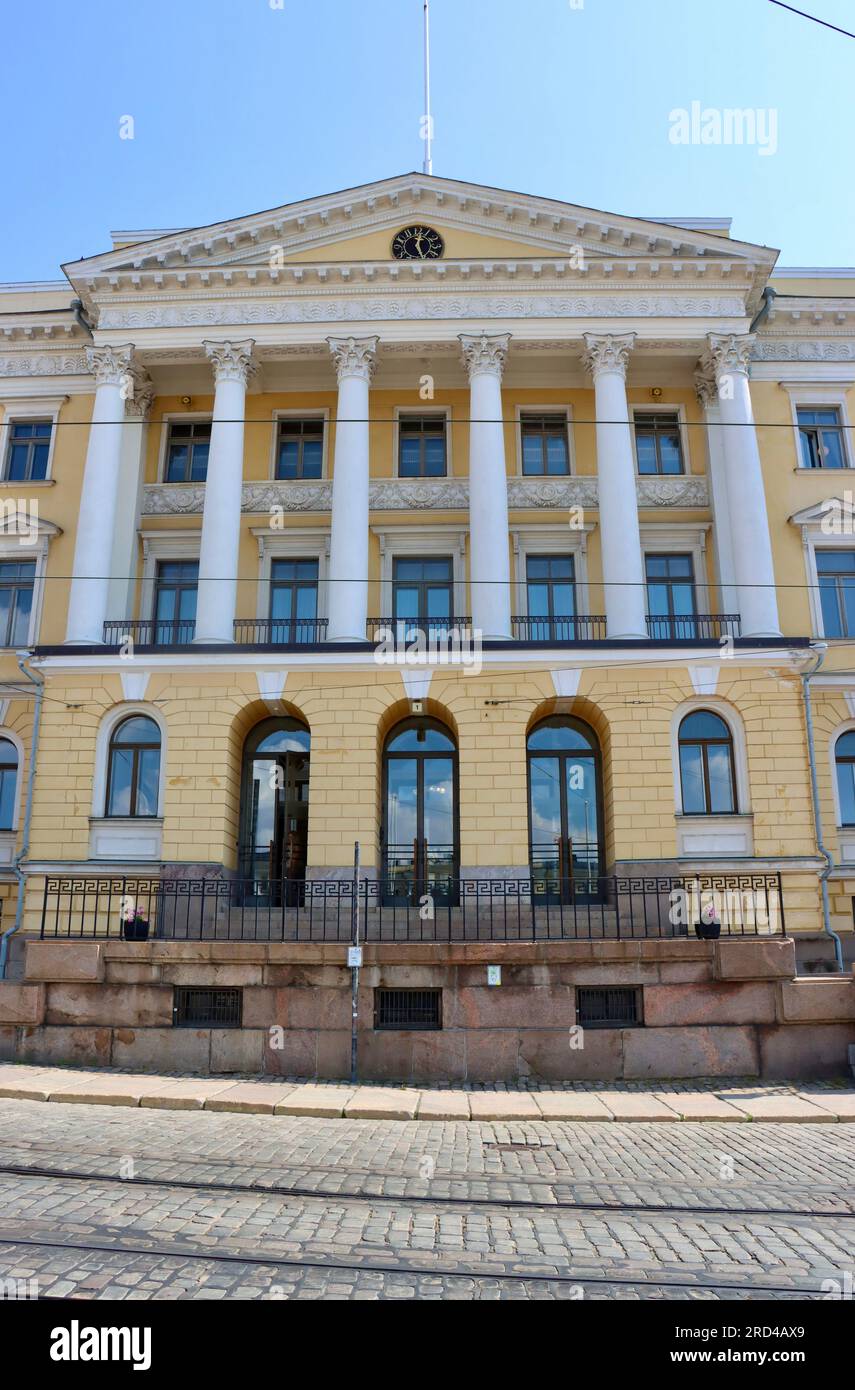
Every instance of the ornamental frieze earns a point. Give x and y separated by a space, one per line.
44 364
414 306
804 350
392 495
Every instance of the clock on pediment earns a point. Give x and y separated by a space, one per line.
418 244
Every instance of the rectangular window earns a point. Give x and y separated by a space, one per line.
408 1009
293 600
29 447
193 1007
175 602
821 438
422 449
423 595
17 579
671 597
836 573
608 1008
300 451
658 446
545 445
187 451
551 597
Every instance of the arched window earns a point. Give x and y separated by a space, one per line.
133 770
420 829
275 809
8 782
565 809
707 772
844 758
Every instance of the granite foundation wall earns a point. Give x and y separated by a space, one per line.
732 1007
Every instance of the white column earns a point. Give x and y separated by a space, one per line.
96 519
624 587
123 569
489 559
754 572
707 391
355 360
218 557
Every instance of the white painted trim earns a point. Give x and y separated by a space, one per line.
849 830
733 720
125 838
715 835
663 408
426 409
108 723
29 408
12 549
396 542
176 417
820 396
19 781
163 545
294 413
553 408
293 543
551 540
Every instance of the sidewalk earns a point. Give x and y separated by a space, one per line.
736 1101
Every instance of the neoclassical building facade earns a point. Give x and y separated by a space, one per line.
494 534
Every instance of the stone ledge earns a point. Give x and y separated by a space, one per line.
64 961
22 1004
756 958
817 999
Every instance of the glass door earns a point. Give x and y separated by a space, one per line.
420 819
276 813
565 812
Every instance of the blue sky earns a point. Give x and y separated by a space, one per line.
240 105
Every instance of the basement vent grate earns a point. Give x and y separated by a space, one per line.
194 1007
415 1009
608 1008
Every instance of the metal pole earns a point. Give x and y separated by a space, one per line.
428 165
354 969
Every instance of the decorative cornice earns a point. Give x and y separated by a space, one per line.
484 354
44 364
608 353
110 366
730 352
354 357
231 361
449 494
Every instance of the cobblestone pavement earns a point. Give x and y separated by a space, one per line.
388 1209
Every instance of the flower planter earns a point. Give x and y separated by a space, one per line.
708 931
136 930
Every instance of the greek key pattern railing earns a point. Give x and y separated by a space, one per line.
434 909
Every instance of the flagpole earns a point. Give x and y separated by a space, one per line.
428 164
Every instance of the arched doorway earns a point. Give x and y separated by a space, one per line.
275 809
420 822
565 802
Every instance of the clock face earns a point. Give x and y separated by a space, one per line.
418 244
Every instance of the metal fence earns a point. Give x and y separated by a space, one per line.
462 909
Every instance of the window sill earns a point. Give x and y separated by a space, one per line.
8 841
125 837
726 835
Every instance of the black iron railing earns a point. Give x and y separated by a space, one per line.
279 632
579 628
461 909
405 631
148 632
695 627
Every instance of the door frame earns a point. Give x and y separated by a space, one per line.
565 893
249 755
419 885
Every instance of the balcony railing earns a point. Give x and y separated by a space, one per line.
694 627
279 632
408 630
144 632
81 907
578 628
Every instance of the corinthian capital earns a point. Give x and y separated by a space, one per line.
607 353
110 365
138 391
354 357
706 385
730 352
484 353
231 361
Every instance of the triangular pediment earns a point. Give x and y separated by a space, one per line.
358 225
829 511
